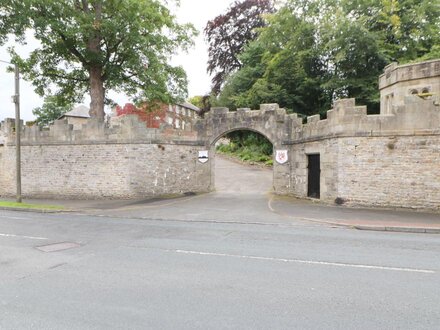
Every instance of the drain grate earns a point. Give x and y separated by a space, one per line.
58 247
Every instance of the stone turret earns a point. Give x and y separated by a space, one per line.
414 80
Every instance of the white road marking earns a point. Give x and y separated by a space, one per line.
14 218
310 262
23 236
269 204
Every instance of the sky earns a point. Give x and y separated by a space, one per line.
197 12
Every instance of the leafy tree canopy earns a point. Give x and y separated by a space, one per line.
311 52
52 109
197 101
99 45
228 34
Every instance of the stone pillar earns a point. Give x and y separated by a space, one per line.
281 172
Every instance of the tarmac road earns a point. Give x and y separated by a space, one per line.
217 261
244 194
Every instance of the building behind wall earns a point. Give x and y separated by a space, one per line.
179 116
77 117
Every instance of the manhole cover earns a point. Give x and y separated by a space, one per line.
58 247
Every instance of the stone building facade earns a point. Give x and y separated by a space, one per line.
388 160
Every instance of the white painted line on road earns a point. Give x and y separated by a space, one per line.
269 204
310 262
23 236
14 218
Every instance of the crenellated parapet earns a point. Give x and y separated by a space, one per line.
416 116
7 129
271 121
124 129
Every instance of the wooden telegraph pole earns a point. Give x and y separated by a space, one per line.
17 132
16 100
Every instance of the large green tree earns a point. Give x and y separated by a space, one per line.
99 45
311 52
282 65
405 30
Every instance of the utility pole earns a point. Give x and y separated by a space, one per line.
16 100
17 132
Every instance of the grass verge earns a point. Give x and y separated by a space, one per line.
30 206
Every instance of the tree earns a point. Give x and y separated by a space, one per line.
52 108
202 102
281 66
354 61
311 52
196 100
405 30
97 46
228 34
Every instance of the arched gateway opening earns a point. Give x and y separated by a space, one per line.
243 162
270 121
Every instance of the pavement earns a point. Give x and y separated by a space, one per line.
244 193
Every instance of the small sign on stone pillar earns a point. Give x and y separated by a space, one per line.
281 156
203 156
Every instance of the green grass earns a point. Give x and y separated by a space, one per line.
250 154
30 206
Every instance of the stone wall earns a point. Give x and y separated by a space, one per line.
390 171
380 160
389 160
125 160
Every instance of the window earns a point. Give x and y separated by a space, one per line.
389 103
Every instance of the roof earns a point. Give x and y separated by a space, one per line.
80 111
189 106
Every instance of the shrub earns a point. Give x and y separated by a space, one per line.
248 146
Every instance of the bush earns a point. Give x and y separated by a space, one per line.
249 147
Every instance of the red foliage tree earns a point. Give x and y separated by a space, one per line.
153 116
227 35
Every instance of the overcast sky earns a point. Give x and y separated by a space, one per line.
197 12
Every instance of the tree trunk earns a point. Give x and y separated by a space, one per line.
97 94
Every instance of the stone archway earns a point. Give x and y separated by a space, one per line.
240 129
270 121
